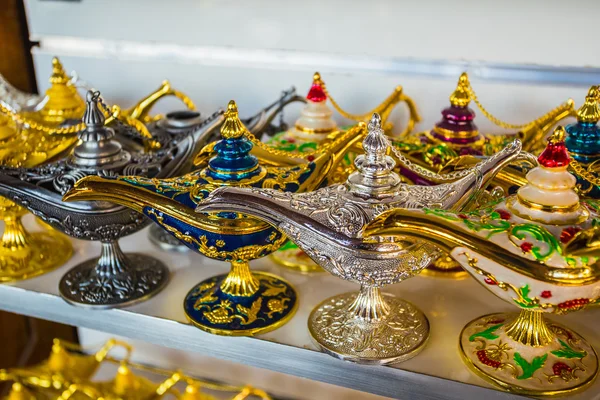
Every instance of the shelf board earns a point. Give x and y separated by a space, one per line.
436 373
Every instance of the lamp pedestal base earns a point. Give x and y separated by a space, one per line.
114 280
522 353
241 303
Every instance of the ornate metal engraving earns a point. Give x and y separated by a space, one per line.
98 152
328 224
338 331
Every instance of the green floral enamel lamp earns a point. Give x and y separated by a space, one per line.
537 250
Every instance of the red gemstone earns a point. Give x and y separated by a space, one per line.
489 281
462 216
555 155
310 158
503 214
567 234
291 140
546 294
316 93
559 367
576 303
526 247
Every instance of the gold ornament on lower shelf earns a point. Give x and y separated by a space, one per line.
69 374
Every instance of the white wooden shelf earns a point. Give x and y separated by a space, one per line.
436 373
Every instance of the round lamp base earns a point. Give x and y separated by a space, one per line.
214 311
398 336
45 251
566 364
142 278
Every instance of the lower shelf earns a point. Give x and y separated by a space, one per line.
436 373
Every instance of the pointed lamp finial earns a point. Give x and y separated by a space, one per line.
375 143
64 103
317 93
232 128
549 195
461 97
59 76
59 357
375 122
93 117
555 155
374 177
589 112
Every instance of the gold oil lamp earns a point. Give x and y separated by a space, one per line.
240 302
20 392
456 134
537 250
24 254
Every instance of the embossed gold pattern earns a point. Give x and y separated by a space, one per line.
400 336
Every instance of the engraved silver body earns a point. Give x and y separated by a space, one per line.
114 279
328 225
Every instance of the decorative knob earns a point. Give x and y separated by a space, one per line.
375 177
59 76
232 128
315 121
589 112
457 124
94 118
549 195
233 161
97 149
461 97
317 93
